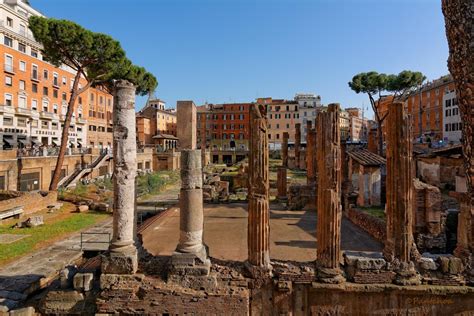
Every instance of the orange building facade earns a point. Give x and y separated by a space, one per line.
425 107
34 93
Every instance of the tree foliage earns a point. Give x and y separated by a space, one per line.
375 84
98 57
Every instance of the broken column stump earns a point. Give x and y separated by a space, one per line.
284 149
329 197
122 256
399 209
190 257
281 183
297 145
258 190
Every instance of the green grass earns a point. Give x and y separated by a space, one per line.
41 234
374 211
155 182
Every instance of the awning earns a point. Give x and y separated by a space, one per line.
37 142
79 144
54 142
9 141
23 141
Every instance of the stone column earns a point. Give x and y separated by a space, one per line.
122 256
258 190
297 144
399 213
284 149
329 197
190 257
310 176
281 183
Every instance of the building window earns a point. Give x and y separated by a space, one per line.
34 123
8 41
9 22
34 87
45 91
55 80
8 99
54 125
45 106
22 66
21 122
44 124
64 96
55 93
34 72
8 120
55 108
8 81
22 102
22 47
34 105
34 53
45 74
8 63
22 85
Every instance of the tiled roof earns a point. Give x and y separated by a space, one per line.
366 158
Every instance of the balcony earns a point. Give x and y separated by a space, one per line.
23 112
22 33
9 69
7 109
47 115
35 77
81 120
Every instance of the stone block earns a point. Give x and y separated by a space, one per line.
62 302
370 263
455 265
26 311
189 264
120 263
83 281
66 276
34 221
122 281
428 264
82 208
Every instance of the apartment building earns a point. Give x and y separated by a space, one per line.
224 130
34 93
344 124
452 131
156 125
426 109
358 125
309 105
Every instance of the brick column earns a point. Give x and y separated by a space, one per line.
258 190
122 256
190 256
284 149
281 183
329 197
399 213
310 152
297 145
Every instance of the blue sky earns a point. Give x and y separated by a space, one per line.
230 51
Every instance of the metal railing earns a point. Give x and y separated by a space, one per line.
87 244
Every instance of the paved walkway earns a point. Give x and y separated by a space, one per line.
292 234
36 270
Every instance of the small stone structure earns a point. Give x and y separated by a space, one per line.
187 136
258 190
214 189
329 196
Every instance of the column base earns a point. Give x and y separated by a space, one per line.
124 261
329 275
407 275
190 264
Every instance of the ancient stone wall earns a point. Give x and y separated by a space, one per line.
30 201
374 226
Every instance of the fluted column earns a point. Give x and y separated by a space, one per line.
329 197
122 256
399 240
310 175
297 145
258 190
284 149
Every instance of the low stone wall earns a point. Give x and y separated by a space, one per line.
375 227
30 201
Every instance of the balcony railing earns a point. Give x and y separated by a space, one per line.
35 77
23 111
22 33
47 115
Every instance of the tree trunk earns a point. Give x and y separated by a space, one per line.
65 135
459 19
